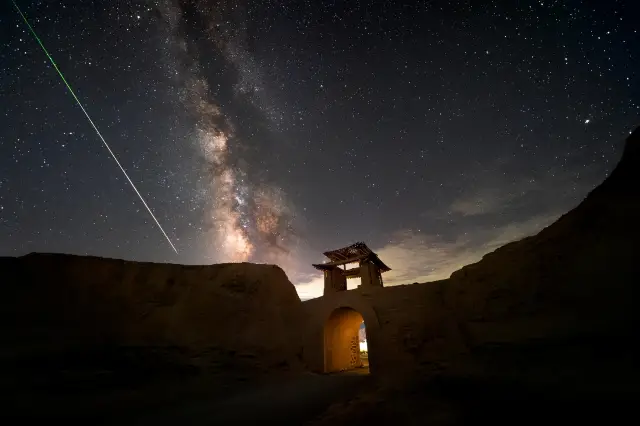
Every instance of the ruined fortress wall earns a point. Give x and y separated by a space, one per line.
531 297
550 299
217 315
406 326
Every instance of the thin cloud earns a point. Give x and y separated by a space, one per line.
414 257
477 203
493 195
311 288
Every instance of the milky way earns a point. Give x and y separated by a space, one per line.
247 220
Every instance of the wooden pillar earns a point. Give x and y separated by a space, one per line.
334 281
370 274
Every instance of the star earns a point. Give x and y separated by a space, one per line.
239 124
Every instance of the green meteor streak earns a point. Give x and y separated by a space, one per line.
55 66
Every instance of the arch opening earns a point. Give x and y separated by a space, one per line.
345 345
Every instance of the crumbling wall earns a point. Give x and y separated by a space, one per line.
406 326
217 318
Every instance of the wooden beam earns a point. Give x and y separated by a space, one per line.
345 261
353 272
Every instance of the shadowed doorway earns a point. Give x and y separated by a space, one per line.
342 341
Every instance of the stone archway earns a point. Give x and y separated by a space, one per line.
341 340
323 314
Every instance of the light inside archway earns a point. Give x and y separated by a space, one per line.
342 341
363 338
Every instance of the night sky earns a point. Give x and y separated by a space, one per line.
434 131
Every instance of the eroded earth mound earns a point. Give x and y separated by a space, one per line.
86 324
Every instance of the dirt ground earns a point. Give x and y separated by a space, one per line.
213 400
293 402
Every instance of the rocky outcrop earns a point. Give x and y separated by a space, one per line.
62 312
